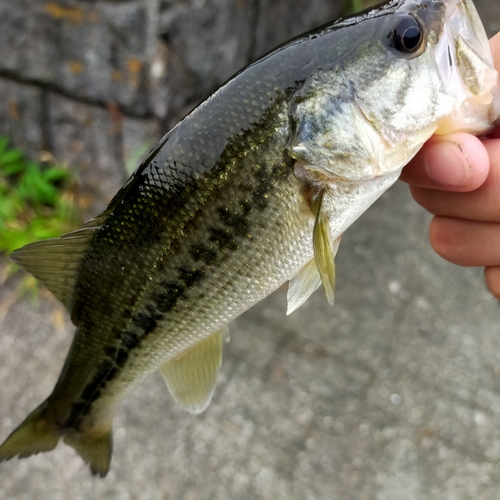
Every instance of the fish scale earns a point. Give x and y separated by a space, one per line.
235 214
253 188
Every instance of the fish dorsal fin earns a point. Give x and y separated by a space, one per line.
325 249
56 262
302 286
191 377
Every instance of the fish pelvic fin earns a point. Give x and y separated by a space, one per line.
94 448
325 249
33 436
192 376
302 286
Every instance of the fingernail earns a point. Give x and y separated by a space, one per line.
446 163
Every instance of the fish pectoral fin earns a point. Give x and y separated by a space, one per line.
56 262
325 249
192 376
302 286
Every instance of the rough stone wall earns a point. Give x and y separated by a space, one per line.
95 82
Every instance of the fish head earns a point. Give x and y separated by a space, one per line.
394 76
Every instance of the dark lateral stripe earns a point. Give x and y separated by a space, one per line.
92 391
145 322
204 253
223 235
167 296
122 357
129 340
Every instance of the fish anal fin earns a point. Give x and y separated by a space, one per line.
56 262
325 249
191 377
302 286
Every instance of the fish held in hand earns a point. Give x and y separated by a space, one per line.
253 188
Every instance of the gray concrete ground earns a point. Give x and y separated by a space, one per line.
393 394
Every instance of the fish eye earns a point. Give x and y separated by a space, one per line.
407 36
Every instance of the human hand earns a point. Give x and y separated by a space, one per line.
456 177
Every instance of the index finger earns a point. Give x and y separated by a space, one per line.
495 50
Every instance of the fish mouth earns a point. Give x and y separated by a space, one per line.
466 68
463 55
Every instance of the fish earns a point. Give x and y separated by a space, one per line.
252 189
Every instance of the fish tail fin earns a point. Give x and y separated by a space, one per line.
37 434
33 436
95 449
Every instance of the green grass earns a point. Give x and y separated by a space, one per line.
37 201
352 6
137 156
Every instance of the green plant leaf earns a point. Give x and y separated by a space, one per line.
11 156
11 168
3 145
33 201
55 174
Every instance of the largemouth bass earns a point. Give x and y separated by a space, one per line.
253 188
